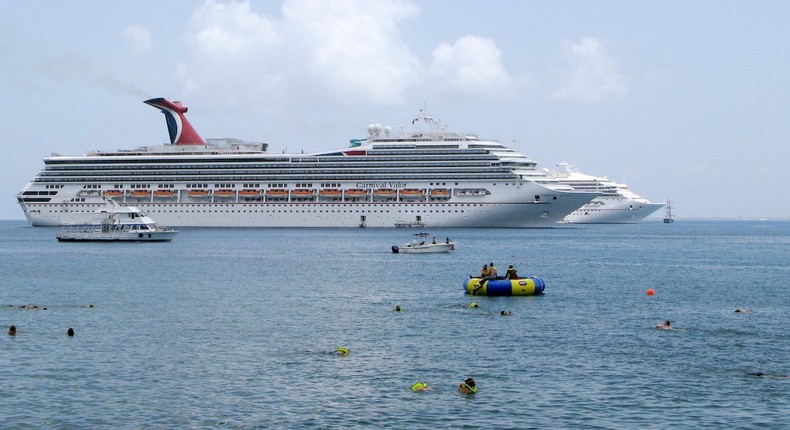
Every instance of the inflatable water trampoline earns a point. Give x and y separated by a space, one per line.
505 287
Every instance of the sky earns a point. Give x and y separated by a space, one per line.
686 100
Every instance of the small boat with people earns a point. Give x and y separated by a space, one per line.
421 245
115 223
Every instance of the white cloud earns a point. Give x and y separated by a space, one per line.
593 74
235 53
472 66
346 51
353 49
139 37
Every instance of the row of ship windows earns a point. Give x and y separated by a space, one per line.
382 157
248 185
368 176
294 211
204 175
322 174
468 162
305 211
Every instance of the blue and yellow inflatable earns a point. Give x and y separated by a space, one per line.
505 287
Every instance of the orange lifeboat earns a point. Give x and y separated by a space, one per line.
440 193
164 193
355 193
250 193
410 193
140 193
197 193
224 192
113 193
330 192
302 192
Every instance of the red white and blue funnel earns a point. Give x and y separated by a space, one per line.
181 131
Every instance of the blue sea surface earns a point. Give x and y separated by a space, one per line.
238 328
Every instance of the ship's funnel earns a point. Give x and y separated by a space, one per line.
181 131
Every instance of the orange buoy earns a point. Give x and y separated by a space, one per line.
650 292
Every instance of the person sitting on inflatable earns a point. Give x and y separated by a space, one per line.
484 272
511 273
491 271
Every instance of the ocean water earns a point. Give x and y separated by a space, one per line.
237 328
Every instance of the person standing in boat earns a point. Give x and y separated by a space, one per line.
511 273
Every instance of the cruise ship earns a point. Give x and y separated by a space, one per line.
430 176
617 204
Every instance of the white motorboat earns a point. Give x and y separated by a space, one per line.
115 223
421 245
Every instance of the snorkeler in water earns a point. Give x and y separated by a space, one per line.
468 386
421 387
666 326
767 375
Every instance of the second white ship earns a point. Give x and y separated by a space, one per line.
436 178
617 204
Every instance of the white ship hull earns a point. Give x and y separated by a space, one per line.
474 214
612 210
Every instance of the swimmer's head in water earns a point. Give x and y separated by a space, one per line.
342 351
420 386
398 308
473 305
